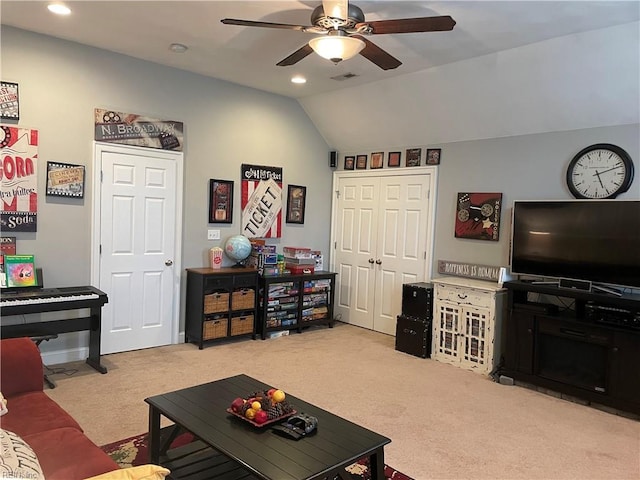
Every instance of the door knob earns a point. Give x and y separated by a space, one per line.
378 262
168 263
371 260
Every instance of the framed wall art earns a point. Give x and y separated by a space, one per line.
261 199
478 216
65 180
433 156
349 163
361 162
413 157
394 159
296 198
220 201
9 101
377 159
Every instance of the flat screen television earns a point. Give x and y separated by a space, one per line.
592 240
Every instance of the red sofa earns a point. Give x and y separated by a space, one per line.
63 450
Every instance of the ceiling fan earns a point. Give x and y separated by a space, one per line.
342 26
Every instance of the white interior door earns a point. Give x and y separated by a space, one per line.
382 239
401 246
356 248
137 259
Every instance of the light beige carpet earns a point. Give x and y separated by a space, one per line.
444 422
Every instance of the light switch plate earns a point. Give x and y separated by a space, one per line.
213 235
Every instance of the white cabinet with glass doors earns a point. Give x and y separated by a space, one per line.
467 315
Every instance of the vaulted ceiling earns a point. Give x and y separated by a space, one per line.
248 55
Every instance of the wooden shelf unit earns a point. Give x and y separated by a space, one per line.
221 303
291 302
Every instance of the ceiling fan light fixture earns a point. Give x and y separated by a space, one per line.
337 48
59 9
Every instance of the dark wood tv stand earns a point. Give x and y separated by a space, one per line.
582 344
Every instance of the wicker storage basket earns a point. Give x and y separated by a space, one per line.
243 299
242 325
216 302
214 328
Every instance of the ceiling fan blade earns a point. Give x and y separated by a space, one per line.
375 54
336 8
251 23
296 56
410 25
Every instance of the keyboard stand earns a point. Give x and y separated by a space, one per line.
38 341
92 323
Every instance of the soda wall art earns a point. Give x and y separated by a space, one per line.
18 179
478 216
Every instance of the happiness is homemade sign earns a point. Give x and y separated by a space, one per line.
471 270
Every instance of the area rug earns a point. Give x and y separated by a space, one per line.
133 451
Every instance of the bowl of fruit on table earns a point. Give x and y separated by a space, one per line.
261 408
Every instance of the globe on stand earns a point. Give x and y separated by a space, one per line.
238 249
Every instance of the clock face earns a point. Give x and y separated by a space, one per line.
600 171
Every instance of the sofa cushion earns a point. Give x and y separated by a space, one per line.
67 454
21 367
17 458
34 412
141 472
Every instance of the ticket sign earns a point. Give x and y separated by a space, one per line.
261 201
262 209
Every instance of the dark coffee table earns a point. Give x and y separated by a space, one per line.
232 448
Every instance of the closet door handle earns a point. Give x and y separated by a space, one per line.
378 262
371 260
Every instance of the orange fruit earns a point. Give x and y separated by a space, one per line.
256 406
250 413
278 396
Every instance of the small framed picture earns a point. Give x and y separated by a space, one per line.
377 159
394 159
9 101
220 201
413 157
361 162
296 197
349 163
65 180
433 156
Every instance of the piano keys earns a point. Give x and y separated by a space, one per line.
51 300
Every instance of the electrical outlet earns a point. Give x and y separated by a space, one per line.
213 235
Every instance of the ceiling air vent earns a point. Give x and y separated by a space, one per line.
346 76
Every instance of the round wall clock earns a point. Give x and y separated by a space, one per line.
600 171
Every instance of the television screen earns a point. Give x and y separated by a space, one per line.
595 240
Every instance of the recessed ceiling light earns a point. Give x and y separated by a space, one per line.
178 48
59 9
298 79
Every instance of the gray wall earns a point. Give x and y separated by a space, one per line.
529 167
225 125
523 167
507 122
494 136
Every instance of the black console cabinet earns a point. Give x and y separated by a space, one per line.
583 344
221 303
295 301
